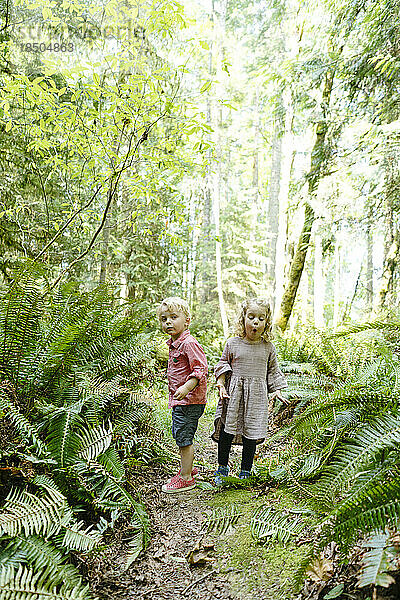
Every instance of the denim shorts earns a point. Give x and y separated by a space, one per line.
184 423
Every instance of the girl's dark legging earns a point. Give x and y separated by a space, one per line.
224 447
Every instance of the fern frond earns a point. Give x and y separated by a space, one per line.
222 519
80 539
358 327
140 523
352 457
377 508
22 424
42 555
27 513
377 562
25 584
130 418
94 442
268 525
63 440
112 462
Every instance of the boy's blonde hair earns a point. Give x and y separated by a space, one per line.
261 303
175 303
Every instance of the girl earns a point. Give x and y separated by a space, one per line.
247 371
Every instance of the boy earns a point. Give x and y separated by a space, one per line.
187 372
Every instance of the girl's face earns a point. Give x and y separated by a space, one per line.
254 323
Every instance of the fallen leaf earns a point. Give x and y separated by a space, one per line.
200 555
320 570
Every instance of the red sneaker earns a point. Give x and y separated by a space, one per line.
178 485
195 472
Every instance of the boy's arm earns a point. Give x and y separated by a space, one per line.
184 389
198 370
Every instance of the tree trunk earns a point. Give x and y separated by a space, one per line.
336 287
283 198
391 263
273 196
370 264
104 253
319 283
296 269
319 159
391 243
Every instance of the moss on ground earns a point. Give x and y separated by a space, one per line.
257 571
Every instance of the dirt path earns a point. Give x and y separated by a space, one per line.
234 566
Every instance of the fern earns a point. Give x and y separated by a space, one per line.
111 461
94 442
42 556
22 424
377 507
268 525
63 439
222 519
377 562
141 534
354 455
30 514
24 584
80 539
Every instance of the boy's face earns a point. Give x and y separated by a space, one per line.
173 322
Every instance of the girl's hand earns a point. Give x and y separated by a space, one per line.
278 395
223 394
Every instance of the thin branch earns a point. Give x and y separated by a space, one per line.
199 580
64 227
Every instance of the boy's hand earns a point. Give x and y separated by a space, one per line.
278 395
223 394
182 392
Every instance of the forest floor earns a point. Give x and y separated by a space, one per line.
183 562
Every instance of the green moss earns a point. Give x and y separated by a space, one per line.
257 571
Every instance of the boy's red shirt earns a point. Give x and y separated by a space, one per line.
186 360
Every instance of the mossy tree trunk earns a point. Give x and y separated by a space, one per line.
320 156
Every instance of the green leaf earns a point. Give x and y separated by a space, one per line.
223 519
335 592
206 86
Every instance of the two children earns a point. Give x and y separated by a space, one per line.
247 371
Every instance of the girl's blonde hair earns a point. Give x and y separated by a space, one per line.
261 303
174 303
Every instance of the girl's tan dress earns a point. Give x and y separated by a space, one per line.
252 371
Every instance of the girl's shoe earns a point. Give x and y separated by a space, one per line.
244 474
195 472
220 473
178 485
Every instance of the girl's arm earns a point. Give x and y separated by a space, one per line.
221 387
277 394
276 380
222 368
